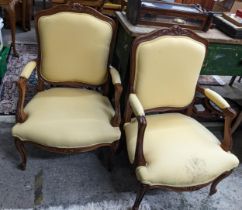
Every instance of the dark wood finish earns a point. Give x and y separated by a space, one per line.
213 189
96 4
136 11
206 4
113 150
9 6
116 120
21 116
144 188
228 114
140 195
231 82
139 159
21 149
173 31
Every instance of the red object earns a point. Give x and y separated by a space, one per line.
239 13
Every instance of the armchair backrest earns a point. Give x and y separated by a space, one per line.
165 67
74 44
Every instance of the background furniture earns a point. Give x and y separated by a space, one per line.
223 57
9 6
106 7
75 115
168 148
17 11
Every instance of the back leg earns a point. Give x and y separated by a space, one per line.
21 149
140 196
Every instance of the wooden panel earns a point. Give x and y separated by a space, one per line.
223 59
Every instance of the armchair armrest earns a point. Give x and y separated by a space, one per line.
136 105
115 75
116 120
21 116
227 112
28 69
216 98
139 112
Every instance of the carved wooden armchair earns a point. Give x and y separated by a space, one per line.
167 147
75 114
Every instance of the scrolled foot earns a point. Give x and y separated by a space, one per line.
213 189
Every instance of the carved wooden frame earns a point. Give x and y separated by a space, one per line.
21 116
139 159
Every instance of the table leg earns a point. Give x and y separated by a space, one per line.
10 8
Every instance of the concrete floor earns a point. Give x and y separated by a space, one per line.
62 180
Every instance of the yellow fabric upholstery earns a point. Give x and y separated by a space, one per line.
216 98
179 151
111 6
136 105
115 75
167 70
74 47
28 69
68 118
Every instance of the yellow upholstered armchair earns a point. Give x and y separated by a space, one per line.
75 114
167 147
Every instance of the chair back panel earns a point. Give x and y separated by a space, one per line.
166 71
74 47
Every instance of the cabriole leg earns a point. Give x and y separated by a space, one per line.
140 196
113 148
213 189
21 149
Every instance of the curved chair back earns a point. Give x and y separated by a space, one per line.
75 43
165 67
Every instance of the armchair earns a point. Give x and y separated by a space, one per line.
75 113
168 148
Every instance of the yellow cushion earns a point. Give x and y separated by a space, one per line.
28 69
167 70
179 152
68 118
111 6
216 98
136 105
74 47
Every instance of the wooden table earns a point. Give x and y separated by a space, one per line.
224 55
9 6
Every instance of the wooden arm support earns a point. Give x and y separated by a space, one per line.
228 113
139 112
118 88
116 120
21 116
139 159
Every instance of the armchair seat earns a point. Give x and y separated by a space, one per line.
68 118
179 151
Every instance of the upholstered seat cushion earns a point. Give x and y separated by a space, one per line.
68 118
179 152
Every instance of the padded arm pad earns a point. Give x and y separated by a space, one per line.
136 105
115 75
216 98
28 69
